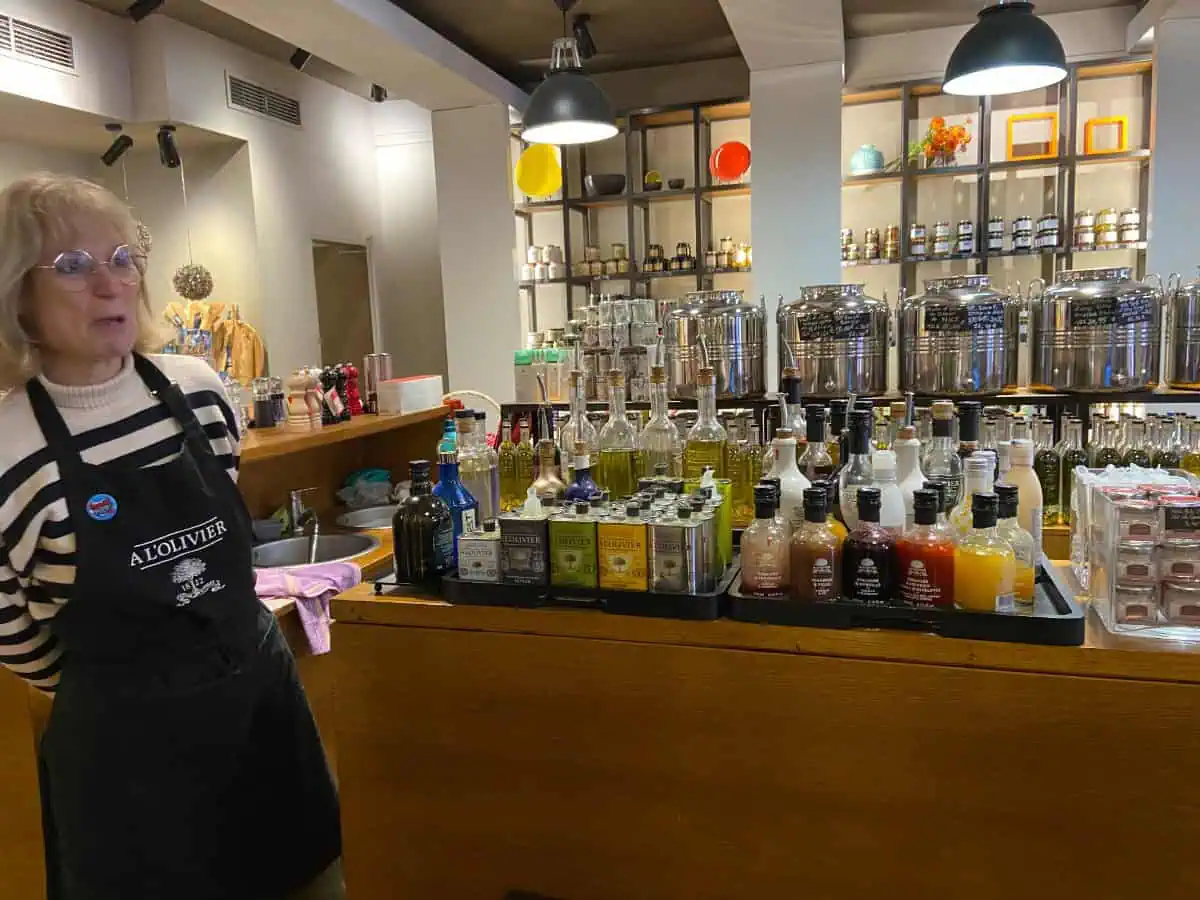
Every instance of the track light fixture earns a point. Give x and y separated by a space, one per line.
139 9
378 93
119 147
583 36
168 150
300 59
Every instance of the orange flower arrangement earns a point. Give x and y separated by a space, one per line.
942 141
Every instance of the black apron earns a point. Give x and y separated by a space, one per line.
181 759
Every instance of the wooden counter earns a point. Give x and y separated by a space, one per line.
586 757
274 442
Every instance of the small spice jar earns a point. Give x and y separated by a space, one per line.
1178 562
1181 602
1135 604
1135 565
995 234
1137 521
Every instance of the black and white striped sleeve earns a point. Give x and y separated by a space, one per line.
27 646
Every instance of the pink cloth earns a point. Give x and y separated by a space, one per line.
312 587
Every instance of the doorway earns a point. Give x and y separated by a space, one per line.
344 309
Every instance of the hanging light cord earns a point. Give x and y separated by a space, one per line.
187 223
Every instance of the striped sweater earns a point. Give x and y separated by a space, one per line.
116 420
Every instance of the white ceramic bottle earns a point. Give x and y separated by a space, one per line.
908 468
792 482
891 500
1029 505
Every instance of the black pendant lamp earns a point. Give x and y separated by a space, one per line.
568 107
1007 51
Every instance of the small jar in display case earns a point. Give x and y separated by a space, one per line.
1181 602
1135 604
1179 561
995 234
918 246
1135 565
941 239
1047 232
1136 522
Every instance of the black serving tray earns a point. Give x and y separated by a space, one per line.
1056 619
698 607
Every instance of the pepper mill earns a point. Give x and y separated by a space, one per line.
314 400
298 418
354 401
340 381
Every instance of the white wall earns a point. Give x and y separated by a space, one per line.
100 84
406 256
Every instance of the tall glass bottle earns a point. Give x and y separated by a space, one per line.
942 462
985 567
815 462
1107 452
1021 541
765 556
1191 457
473 464
659 444
837 425
1170 454
512 490
926 556
1073 455
897 413
816 570
526 459
869 571
464 509
706 444
1136 448
968 427
857 472
749 467
488 452
978 480
422 532
617 449
576 427
1047 465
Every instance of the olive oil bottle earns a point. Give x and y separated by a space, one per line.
616 472
707 442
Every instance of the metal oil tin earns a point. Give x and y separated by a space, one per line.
677 563
573 551
524 550
621 548
479 555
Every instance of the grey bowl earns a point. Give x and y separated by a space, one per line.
603 185
675 184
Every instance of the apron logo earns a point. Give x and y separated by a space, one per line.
187 575
102 507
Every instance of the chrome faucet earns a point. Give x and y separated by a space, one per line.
301 517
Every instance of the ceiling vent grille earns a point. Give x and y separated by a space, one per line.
34 43
253 98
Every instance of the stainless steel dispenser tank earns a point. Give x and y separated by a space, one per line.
835 337
1183 334
734 335
1096 330
959 338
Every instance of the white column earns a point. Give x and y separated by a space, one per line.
1173 197
796 140
476 236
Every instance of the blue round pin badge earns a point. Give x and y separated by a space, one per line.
102 507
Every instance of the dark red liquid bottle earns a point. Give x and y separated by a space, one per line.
869 566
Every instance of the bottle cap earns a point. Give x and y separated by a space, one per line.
582 509
1020 452
939 487
925 506
489 525
983 510
532 509
783 433
864 406
419 468
968 420
815 504
883 463
764 502
777 486
633 510
814 422
837 415
898 410
464 414
480 415
943 409
1008 497
869 501
683 511
660 469
979 462
447 458
906 433
549 503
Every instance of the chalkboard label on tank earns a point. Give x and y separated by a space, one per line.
1184 518
835 325
1105 312
966 317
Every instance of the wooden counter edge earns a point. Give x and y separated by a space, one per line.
1097 658
268 444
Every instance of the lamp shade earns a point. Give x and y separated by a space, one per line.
568 107
1007 51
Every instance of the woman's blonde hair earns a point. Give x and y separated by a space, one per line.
42 209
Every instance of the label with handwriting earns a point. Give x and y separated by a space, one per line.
836 324
964 317
1104 312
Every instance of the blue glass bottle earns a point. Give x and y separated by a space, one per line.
583 487
463 507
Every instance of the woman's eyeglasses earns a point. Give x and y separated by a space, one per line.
76 267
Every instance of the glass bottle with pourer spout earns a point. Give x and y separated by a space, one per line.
577 427
707 442
659 443
617 444
548 484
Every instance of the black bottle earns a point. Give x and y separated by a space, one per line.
328 393
869 565
340 382
422 533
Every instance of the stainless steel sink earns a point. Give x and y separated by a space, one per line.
371 517
330 548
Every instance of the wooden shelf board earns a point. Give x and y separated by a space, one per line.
726 190
663 119
880 95
537 206
725 111
270 443
946 171
665 196
1141 155
1109 70
599 202
870 180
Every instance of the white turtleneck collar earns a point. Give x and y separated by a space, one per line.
92 396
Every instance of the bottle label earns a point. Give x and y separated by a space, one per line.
767 574
622 556
821 579
917 588
334 401
868 582
468 520
443 546
1006 603
479 559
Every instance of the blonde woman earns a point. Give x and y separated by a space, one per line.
181 760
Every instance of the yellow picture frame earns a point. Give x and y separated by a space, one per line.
1050 149
1089 130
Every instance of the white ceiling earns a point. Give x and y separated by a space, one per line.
868 18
